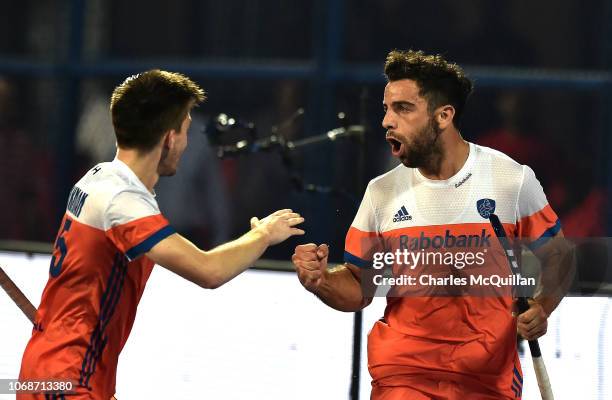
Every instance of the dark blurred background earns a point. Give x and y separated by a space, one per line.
543 91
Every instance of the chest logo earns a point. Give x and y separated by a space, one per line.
402 215
485 207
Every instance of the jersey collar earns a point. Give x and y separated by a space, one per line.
455 180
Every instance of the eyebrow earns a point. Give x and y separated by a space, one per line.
401 103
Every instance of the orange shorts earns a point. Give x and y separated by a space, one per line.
57 397
406 366
432 389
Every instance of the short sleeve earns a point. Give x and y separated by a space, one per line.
362 239
536 220
134 224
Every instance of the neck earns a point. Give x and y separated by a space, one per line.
453 154
144 165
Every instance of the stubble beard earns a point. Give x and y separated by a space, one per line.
425 151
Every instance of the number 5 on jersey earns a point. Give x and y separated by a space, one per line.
60 244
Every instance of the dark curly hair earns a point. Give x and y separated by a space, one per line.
439 81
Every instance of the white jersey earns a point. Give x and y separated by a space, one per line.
489 181
97 275
450 336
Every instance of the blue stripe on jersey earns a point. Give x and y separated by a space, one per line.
518 376
149 242
108 302
100 339
89 354
106 315
515 385
361 263
546 236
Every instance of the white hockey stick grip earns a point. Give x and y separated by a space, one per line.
542 377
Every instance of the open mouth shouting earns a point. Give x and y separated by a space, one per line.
397 147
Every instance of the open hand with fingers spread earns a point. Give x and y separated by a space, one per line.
310 263
279 225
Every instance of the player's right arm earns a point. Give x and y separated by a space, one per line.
341 287
211 269
338 287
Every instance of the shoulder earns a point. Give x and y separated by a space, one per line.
497 158
108 187
503 169
389 179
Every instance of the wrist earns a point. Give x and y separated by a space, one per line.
543 305
261 234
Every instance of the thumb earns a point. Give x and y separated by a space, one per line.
254 222
322 251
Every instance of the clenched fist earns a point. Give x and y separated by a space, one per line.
310 263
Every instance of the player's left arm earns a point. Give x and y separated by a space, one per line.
557 271
539 226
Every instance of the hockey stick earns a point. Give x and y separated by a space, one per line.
523 305
17 296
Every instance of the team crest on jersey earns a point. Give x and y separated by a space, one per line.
485 207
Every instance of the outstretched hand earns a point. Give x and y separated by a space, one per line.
278 226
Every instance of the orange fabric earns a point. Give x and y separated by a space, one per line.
480 367
363 244
452 346
80 394
128 235
426 390
360 243
534 225
455 229
432 388
88 309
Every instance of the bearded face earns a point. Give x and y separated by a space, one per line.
422 150
412 130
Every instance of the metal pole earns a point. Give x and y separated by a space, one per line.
69 93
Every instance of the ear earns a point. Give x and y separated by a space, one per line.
169 138
444 116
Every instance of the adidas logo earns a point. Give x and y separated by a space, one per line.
402 215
